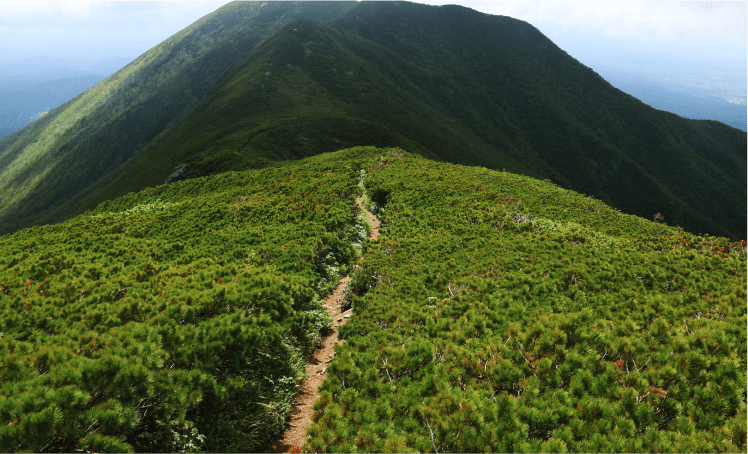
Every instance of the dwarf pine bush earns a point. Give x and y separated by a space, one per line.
174 319
499 313
494 313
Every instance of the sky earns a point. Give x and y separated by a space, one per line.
102 29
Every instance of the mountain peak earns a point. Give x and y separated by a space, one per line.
258 82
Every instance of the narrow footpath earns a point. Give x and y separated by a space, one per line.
301 415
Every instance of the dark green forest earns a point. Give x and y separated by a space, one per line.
255 83
496 312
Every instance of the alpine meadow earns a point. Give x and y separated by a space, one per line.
559 267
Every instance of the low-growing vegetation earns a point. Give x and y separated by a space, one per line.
495 312
499 313
174 319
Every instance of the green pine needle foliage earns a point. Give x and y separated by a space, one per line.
174 319
495 312
499 313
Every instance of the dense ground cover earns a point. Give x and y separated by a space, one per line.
500 313
174 319
495 313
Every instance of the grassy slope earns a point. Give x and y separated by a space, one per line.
498 313
409 75
512 85
175 318
514 314
55 166
301 92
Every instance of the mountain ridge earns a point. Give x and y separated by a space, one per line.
123 135
446 82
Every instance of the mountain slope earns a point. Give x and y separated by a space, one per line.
445 82
49 169
22 105
498 313
569 124
494 313
307 88
303 91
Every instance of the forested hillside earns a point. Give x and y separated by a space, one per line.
50 169
254 83
495 312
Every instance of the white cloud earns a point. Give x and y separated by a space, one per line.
72 8
579 27
640 20
93 27
24 9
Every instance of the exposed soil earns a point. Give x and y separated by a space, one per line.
373 221
301 415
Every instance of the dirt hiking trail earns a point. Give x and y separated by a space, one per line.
294 437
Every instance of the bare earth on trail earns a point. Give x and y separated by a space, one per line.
316 371
373 222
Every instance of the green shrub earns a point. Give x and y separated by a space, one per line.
174 319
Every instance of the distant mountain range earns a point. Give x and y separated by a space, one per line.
21 106
253 83
33 86
694 93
